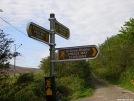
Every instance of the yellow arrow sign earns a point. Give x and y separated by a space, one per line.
37 32
48 91
62 30
94 51
30 29
77 53
132 81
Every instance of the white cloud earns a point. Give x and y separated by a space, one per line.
89 21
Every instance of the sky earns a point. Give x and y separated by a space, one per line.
90 23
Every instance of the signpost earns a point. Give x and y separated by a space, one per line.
62 30
77 53
37 32
64 54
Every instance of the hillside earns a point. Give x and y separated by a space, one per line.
22 70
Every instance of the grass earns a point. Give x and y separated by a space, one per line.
124 81
31 87
74 87
126 85
83 93
28 87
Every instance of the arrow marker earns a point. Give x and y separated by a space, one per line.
30 30
94 51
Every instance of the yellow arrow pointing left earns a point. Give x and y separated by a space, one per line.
30 30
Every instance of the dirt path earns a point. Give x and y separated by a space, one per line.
107 92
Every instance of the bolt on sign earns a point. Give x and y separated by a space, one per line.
50 88
77 53
37 32
62 30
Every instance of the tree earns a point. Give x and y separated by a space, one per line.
127 32
116 54
5 54
45 65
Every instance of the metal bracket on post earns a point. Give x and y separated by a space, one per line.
51 44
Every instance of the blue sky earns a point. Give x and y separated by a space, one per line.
90 23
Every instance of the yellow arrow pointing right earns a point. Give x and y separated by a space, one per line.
94 51
47 37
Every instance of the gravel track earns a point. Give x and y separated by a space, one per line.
108 92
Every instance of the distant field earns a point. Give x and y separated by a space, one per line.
21 70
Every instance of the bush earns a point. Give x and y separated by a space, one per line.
23 88
27 77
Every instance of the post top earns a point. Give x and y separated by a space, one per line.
52 15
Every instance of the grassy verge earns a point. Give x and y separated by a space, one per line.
30 87
127 86
124 81
83 93
27 87
74 88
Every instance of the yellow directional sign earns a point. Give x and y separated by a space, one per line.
62 30
37 32
132 82
48 91
94 51
62 55
50 88
77 53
